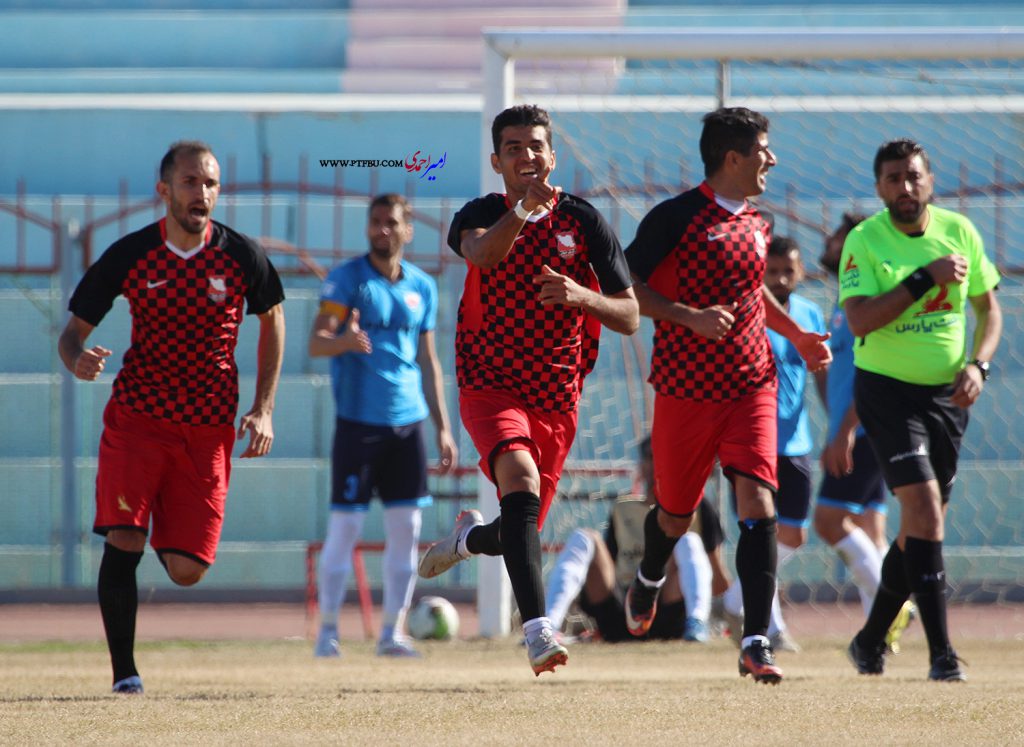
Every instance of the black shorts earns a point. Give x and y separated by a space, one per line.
914 429
793 499
861 490
390 460
610 616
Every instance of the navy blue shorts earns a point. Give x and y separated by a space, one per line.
793 499
389 460
914 429
861 490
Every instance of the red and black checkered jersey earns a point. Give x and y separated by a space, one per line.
693 251
185 317
505 338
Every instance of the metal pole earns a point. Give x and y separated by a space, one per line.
70 534
724 87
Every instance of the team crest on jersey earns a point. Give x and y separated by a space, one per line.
566 245
413 300
218 288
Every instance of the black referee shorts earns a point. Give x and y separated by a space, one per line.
914 429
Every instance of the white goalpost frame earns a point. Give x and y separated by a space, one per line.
502 47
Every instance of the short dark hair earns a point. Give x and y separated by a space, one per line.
390 200
181 148
897 150
849 221
522 115
729 128
783 246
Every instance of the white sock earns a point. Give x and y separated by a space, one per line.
861 556
732 599
533 628
776 624
401 539
568 576
343 530
694 575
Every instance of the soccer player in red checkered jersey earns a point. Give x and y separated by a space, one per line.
698 263
544 273
168 429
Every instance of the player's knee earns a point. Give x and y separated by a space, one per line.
128 540
674 526
183 571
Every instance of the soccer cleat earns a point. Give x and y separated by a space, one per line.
327 643
758 660
444 553
546 653
946 668
128 686
641 607
905 616
696 630
397 648
867 659
782 641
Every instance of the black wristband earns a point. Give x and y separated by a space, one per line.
918 282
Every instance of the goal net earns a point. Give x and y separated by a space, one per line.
626 107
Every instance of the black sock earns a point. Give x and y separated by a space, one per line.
893 591
485 539
119 602
756 559
520 540
657 547
926 575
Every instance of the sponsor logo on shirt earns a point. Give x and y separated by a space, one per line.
937 304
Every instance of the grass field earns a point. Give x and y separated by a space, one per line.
483 693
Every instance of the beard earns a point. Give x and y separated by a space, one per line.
909 212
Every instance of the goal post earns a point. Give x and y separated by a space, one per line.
626 105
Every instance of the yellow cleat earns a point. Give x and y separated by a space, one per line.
906 615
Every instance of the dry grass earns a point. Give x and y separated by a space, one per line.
484 693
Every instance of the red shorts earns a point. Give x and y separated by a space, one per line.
688 434
499 422
176 474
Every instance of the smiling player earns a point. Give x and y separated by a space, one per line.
527 336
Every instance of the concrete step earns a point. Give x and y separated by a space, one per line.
417 53
453 22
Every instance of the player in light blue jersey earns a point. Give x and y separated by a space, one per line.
784 272
850 514
376 323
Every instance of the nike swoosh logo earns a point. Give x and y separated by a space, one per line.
157 284
716 236
518 238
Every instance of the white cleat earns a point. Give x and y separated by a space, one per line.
444 553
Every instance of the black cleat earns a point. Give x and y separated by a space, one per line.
946 667
641 605
867 659
758 659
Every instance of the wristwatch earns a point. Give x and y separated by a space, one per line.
984 366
